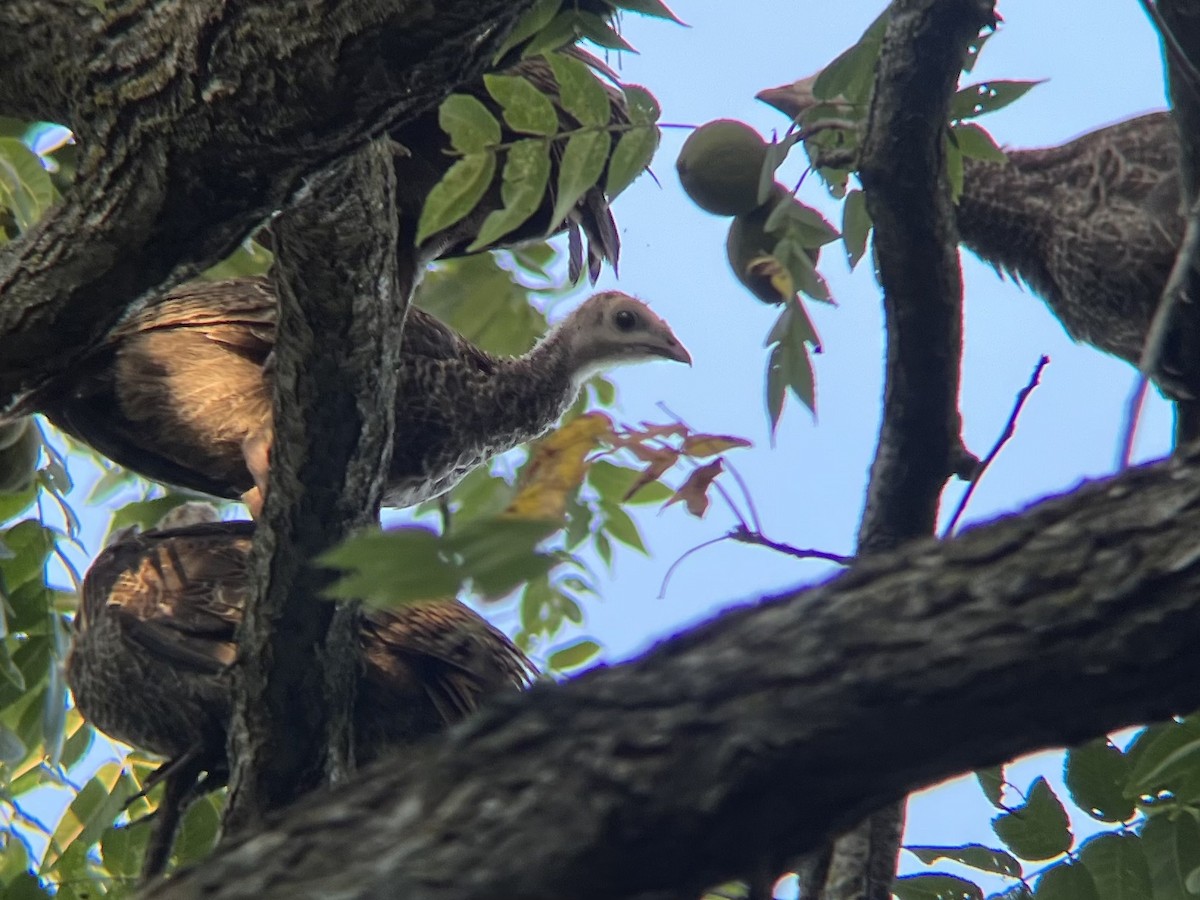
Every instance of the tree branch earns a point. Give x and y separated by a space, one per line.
193 135
902 168
661 776
343 294
1172 350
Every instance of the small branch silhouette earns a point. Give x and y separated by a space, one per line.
1010 428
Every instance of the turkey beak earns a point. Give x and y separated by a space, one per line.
672 349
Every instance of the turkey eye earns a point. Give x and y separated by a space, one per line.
625 320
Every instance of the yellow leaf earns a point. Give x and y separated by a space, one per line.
557 466
712 444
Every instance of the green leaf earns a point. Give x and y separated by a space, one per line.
198 831
499 554
1096 775
1172 848
123 846
1165 753
974 141
526 109
1037 830
581 166
611 482
534 20
635 149
390 568
856 226
793 219
470 125
852 73
580 91
987 96
991 782
977 856
935 886
789 366
643 106
1118 866
619 525
526 174
460 189
25 186
655 8
1067 881
12 748
574 655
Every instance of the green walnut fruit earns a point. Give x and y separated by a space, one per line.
19 458
749 249
720 167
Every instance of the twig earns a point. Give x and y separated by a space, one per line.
662 588
1009 430
1133 414
745 536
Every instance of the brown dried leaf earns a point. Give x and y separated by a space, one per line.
658 465
695 490
702 445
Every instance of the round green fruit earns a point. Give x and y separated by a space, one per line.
720 167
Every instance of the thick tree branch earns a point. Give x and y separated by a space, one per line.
343 294
902 169
43 48
193 135
663 775
1173 345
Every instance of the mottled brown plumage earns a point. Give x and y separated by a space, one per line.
155 640
1091 226
180 392
424 154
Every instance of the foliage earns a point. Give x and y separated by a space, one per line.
774 250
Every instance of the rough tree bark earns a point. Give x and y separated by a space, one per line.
198 119
902 167
663 775
343 292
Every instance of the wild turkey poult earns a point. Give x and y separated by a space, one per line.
154 643
180 392
1092 226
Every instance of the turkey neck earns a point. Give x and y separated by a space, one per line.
532 391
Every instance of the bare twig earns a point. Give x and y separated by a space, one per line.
745 536
662 588
1009 429
1133 414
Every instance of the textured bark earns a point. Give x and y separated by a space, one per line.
902 169
343 292
1178 318
664 775
193 133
